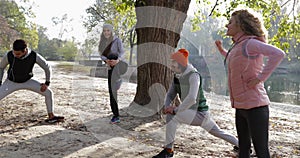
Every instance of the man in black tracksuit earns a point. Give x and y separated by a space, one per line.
19 75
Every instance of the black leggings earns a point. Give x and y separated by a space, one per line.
114 83
113 95
253 124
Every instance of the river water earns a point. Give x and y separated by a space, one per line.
284 88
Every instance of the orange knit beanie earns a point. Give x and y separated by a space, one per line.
181 56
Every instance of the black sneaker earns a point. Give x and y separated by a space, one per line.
164 154
55 119
236 149
115 120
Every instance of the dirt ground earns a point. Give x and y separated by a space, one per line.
87 133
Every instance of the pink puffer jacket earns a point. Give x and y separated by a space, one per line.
245 62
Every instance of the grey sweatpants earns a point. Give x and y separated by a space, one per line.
8 87
195 118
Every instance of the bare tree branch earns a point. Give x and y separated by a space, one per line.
216 4
273 12
97 13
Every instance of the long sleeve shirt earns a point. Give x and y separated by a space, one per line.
245 63
189 90
39 60
116 48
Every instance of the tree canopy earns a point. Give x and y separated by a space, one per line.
281 19
117 12
14 24
55 49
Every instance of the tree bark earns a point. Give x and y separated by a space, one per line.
159 23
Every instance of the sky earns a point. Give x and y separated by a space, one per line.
45 10
75 9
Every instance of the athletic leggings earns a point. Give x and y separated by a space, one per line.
8 87
195 118
114 83
253 124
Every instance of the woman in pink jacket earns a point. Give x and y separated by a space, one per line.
246 76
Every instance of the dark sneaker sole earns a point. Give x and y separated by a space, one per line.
55 119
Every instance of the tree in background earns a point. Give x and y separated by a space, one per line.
56 49
46 47
15 24
87 48
281 19
64 22
7 35
68 50
117 13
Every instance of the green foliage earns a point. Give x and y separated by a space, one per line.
47 48
119 13
126 17
87 47
15 25
55 49
68 50
280 19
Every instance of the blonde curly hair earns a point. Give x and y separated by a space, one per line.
251 23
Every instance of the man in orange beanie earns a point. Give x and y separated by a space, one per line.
181 57
193 109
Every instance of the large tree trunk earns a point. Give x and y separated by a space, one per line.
159 23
